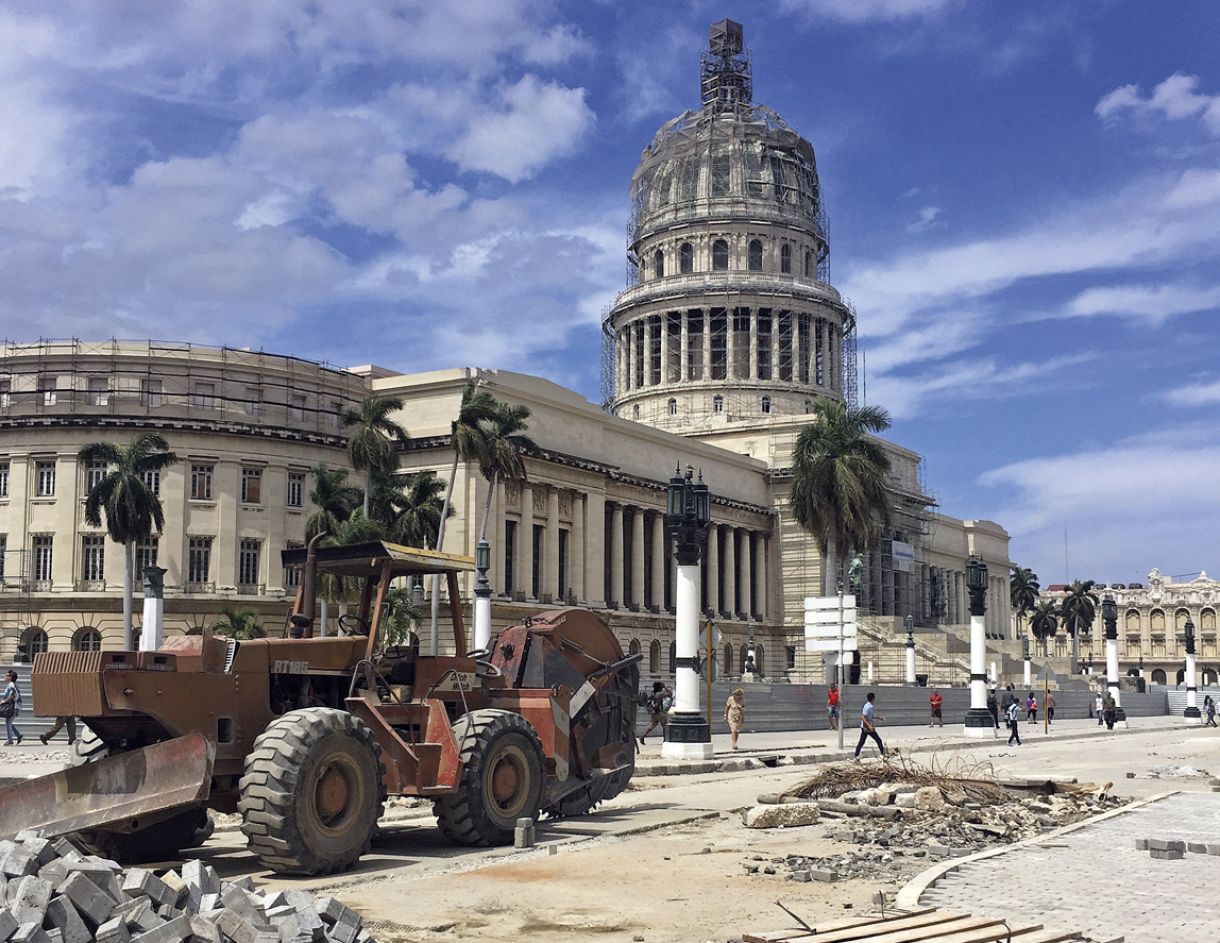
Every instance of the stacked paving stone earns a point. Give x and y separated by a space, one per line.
53 892
1169 850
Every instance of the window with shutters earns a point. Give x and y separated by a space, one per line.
93 558
252 486
201 482
44 479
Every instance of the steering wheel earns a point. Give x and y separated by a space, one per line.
351 624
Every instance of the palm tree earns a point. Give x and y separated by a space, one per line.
333 499
131 509
417 518
240 624
1044 622
839 474
1079 607
505 448
1023 590
371 444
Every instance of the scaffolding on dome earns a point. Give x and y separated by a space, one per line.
850 375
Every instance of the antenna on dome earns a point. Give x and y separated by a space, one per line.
724 68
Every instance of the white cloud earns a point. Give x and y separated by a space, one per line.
1194 394
1150 303
863 11
1176 98
924 219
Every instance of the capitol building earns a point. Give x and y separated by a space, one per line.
714 353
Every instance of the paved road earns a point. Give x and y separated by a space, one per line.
1094 880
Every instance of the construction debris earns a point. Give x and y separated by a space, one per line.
915 925
51 891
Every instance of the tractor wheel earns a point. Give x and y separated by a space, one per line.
585 799
312 792
160 842
501 779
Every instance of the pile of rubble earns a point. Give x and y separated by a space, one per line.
53 892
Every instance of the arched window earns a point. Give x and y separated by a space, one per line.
756 255
759 663
766 405
808 264
1180 618
673 407
1133 621
720 255
808 405
1207 620
635 411
745 654
728 659
673 656
1158 676
717 404
87 639
634 647
686 258
654 657
1181 676
33 642
1158 621
785 258
658 263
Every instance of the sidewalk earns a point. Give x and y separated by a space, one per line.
799 747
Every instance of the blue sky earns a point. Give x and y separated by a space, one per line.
1024 206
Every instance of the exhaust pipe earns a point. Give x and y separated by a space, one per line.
301 621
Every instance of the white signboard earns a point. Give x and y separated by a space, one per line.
830 617
830 644
830 623
829 602
904 556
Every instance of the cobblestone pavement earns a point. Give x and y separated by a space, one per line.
1094 881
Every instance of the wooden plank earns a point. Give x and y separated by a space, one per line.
994 932
967 930
779 936
1051 936
927 924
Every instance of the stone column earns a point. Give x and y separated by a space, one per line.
576 548
525 541
730 343
978 718
746 603
615 590
774 344
498 542
760 575
730 571
628 345
637 558
707 343
819 347
550 553
595 549
713 568
658 562
663 326
752 367
683 369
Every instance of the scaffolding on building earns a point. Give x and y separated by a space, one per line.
850 376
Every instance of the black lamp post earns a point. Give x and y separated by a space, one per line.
979 721
688 512
1109 618
1192 698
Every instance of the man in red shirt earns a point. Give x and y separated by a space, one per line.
832 707
936 701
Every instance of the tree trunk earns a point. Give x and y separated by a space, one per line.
129 565
440 541
491 490
368 487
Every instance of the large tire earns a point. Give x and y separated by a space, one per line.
501 781
585 799
312 792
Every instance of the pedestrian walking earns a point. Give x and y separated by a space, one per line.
1210 710
1031 708
735 714
1050 707
1010 698
993 708
1099 709
937 703
10 707
1109 710
60 723
659 702
1014 723
868 724
832 708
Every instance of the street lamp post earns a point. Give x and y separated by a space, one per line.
1192 697
688 735
911 650
1028 676
979 722
482 597
1109 616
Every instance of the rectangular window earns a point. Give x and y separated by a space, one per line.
95 472
654 349
803 347
3 479
296 489
3 555
638 349
296 407
694 346
99 391
536 582
336 413
247 563
146 556
204 396
6 392
198 559
46 390
564 577
719 329
44 479
292 574
152 481
741 343
42 558
673 350
254 401
764 344
252 486
785 346
150 393
93 558
201 483
510 554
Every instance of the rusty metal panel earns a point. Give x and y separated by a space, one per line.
68 684
119 791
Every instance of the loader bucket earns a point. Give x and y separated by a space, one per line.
122 792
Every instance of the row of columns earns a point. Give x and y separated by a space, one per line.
647 339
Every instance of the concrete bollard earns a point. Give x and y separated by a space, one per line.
523 836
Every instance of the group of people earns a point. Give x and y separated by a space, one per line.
661 700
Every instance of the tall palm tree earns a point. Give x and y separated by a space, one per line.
1044 622
505 448
839 474
240 624
333 500
370 446
1023 590
123 496
417 517
1079 607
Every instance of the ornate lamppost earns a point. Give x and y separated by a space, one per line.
1109 617
688 512
911 650
978 719
1192 697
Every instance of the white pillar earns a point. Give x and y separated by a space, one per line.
614 593
911 662
1029 675
686 684
975 726
1112 678
152 625
637 558
994 676
1192 697
482 620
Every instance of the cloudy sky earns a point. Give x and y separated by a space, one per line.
1024 203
